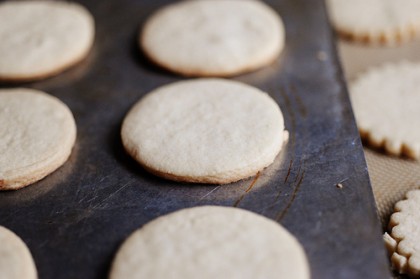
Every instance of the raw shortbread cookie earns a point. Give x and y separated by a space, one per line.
211 242
42 38
213 38
15 258
376 21
37 133
403 241
386 103
205 130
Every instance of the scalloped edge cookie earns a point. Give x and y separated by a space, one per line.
375 22
403 240
386 104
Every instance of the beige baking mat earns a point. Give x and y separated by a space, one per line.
391 176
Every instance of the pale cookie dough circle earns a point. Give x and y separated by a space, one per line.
205 130
376 21
403 241
15 258
37 133
386 103
211 242
213 38
42 38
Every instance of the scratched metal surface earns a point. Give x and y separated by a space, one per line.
74 220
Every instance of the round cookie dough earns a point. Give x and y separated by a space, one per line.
205 131
213 38
15 258
376 21
37 133
42 38
386 105
211 242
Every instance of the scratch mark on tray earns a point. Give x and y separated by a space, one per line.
294 194
209 193
287 177
288 171
297 176
247 190
111 195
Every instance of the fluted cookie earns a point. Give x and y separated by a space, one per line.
386 103
383 22
403 240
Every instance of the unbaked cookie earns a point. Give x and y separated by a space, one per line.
376 21
213 38
15 258
403 241
211 242
205 131
37 133
42 38
386 103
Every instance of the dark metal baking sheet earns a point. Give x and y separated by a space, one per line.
74 220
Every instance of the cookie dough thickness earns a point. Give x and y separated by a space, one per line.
42 38
37 134
403 241
15 258
376 22
211 242
213 38
204 131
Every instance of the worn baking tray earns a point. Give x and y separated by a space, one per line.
389 189
74 220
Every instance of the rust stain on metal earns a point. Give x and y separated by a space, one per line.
297 176
288 171
247 190
253 182
294 194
